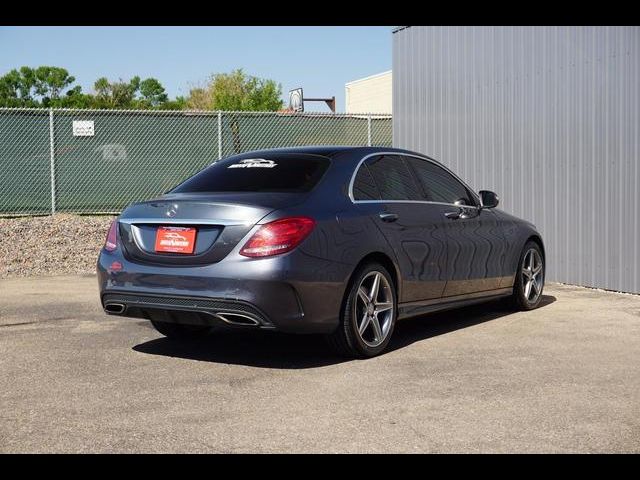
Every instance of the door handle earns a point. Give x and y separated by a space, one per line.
388 217
453 215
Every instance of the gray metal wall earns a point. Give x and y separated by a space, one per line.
545 116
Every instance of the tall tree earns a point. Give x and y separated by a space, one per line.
152 93
47 86
237 91
48 82
118 94
10 89
26 78
136 93
199 99
30 87
74 98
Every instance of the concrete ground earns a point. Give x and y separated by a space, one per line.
563 378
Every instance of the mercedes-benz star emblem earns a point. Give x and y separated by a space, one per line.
172 211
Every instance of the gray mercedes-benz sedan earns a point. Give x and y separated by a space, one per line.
340 241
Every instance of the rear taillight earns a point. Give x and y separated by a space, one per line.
111 243
278 237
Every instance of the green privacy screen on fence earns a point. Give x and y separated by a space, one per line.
93 161
25 162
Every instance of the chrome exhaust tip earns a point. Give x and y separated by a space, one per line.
234 318
114 308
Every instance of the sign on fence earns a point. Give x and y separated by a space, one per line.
83 128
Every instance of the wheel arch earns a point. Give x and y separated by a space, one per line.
384 260
537 239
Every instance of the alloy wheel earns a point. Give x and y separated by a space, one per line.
374 309
532 275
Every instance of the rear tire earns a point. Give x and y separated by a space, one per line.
529 283
176 331
368 314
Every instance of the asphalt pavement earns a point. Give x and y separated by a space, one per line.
563 378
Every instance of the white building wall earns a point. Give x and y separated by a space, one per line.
369 95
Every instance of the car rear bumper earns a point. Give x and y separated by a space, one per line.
186 310
271 293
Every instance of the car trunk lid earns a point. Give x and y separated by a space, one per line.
220 222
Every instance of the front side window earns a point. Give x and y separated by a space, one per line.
438 184
393 178
277 173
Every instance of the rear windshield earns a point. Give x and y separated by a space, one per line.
273 174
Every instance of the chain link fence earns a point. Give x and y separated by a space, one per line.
98 161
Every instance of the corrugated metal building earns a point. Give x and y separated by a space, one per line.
548 117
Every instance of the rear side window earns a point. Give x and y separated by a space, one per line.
393 178
438 184
364 188
273 174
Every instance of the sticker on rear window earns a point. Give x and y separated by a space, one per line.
254 163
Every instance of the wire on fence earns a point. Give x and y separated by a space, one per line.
98 161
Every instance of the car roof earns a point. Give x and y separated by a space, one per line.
327 150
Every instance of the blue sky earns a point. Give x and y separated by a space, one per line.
320 59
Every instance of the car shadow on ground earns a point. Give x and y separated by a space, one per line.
276 350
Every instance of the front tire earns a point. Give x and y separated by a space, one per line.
176 331
527 289
368 314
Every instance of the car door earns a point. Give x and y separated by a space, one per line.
475 245
412 227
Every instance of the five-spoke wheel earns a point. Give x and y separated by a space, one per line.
532 275
368 314
374 308
527 290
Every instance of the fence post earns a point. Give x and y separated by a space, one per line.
52 159
368 130
219 135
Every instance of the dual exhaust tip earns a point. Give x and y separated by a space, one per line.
237 319
114 308
232 318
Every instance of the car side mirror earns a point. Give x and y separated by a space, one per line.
489 199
